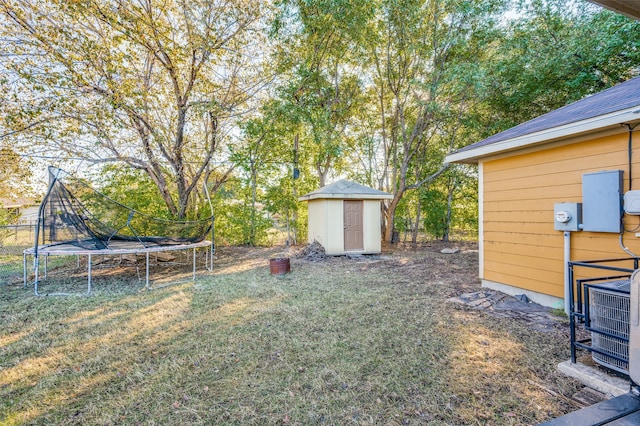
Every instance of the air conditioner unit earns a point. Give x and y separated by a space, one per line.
609 324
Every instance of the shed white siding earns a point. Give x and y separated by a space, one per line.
326 225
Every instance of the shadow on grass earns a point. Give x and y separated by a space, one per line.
339 342
62 358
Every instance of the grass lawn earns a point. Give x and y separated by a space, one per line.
338 342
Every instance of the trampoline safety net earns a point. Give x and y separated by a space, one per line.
74 213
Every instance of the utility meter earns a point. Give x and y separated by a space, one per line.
567 216
563 216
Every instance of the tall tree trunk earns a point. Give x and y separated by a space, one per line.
254 184
391 214
414 231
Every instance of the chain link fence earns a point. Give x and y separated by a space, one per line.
14 239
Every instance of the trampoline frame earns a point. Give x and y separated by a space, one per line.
67 249
114 246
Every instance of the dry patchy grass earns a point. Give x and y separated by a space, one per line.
343 341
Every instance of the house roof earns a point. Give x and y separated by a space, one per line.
345 189
631 8
607 109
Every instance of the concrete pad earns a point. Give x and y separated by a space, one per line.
611 386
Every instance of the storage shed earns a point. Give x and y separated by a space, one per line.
345 217
582 155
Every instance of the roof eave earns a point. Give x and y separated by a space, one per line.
310 197
625 7
577 128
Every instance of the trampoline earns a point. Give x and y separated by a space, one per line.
76 220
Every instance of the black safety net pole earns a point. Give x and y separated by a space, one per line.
53 176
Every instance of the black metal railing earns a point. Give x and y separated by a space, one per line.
615 281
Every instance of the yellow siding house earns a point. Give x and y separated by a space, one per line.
524 171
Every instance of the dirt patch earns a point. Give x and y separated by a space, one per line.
453 265
498 304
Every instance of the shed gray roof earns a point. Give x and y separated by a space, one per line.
345 189
566 121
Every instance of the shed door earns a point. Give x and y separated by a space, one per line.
353 239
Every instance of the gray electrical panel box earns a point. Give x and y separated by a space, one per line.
602 201
567 216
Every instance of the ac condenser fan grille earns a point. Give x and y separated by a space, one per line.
609 313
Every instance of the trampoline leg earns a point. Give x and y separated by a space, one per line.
146 276
36 272
24 270
46 265
89 274
211 250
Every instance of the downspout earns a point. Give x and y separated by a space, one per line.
630 154
630 160
568 291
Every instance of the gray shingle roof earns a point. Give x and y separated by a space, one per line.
630 8
346 189
620 97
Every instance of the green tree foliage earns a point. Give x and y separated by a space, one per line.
283 204
554 53
420 58
377 91
323 89
15 172
450 204
237 221
154 85
132 188
260 158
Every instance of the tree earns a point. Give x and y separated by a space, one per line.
15 172
153 85
450 203
323 90
261 158
554 53
132 188
418 49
